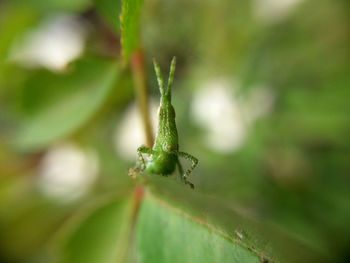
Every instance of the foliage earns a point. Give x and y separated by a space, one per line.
89 84
279 194
130 26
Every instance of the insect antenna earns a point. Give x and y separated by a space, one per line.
171 77
159 77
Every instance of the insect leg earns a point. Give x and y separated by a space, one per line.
179 166
192 159
183 177
194 162
140 151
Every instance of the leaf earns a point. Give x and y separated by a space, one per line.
165 234
14 21
21 208
251 230
130 26
101 237
67 102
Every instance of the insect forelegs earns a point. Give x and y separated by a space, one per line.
192 159
182 175
194 162
143 150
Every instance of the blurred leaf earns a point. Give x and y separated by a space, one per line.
130 26
21 212
242 222
166 234
110 10
86 88
102 236
14 21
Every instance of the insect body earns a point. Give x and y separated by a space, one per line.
164 155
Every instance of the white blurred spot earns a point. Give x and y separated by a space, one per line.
273 10
217 110
225 116
130 133
67 172
54 44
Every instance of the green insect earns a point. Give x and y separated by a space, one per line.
164 155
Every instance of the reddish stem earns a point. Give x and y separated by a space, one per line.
139 76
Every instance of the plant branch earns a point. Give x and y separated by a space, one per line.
140 84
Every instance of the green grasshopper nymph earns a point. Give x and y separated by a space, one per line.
164 155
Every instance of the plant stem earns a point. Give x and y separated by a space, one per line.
139 76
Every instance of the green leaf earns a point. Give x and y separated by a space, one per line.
258 234
101 237
66 102
166 234
130 26
21 208
14 21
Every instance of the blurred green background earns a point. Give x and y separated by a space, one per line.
261 92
